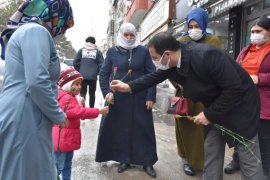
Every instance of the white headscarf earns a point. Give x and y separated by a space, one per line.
122 41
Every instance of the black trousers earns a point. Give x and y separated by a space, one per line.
92 89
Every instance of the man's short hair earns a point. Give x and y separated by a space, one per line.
90 39
163 41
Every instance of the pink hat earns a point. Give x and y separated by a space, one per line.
67 77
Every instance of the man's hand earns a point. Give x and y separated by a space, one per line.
149 104
117 85
64 123
255 79
201 119
109 98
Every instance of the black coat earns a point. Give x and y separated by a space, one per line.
212 77
88 62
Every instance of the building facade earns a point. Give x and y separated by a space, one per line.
118 13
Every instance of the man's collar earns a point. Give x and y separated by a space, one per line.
184 60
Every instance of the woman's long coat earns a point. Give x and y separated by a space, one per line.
29 105
127 133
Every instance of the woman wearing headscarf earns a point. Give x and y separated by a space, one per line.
127 134
29 106
189 136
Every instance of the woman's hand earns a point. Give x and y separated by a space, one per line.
64 122
255 79
109 98
149 104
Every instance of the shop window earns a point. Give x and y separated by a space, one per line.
255 8
266 4
249 26
219 27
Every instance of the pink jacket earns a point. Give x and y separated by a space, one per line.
70 137
264 82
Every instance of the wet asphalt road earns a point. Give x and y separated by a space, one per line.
168 166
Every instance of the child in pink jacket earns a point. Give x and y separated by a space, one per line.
70 137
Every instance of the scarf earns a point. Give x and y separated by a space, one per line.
55 15
122 41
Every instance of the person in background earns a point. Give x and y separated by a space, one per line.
29 106
70 136
255 59
88 61
190 145
127 134
229 96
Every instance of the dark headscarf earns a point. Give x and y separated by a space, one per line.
55 15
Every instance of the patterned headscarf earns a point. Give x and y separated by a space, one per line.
55 15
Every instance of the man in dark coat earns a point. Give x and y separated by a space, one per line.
231 100
88 62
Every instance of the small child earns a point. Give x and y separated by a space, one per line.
70 136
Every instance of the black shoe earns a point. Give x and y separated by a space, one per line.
150 171
188 170
232 167
122 167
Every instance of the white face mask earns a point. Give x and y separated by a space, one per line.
257 39
195 34
161 66
129 42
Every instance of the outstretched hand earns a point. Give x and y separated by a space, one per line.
117 85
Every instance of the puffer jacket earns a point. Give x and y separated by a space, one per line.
70 137
88 61
264 82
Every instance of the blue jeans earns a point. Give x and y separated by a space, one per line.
63 162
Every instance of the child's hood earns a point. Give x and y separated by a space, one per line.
62 93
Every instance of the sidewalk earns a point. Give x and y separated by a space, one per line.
168 166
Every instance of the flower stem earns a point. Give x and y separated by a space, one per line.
236 137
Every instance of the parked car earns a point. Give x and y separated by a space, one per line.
68 62
2 67
63 66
